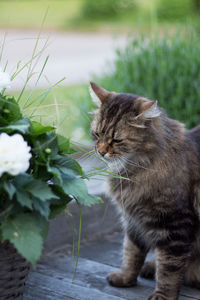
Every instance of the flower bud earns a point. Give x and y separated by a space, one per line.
47 151
6 111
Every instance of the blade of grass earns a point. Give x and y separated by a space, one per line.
3 46
107 174
72 228
39 76
79 242
18 71
56 105
47 105
5 67
30 70
44 95
73 238
85 151
45 91
38 38
57 110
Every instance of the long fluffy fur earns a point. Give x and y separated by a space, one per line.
160 203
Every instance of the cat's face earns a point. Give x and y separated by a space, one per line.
122 123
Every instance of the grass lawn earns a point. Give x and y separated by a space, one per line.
65 107
29 14
67 15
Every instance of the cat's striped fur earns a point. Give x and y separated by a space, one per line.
160 203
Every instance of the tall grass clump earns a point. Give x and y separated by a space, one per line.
172 10
105 8
166 69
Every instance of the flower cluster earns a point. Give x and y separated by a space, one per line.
14 154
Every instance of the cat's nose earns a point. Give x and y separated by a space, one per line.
102 149
102 152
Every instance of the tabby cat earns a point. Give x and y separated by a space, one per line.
159 197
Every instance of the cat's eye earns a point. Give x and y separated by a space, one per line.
117 140
96 134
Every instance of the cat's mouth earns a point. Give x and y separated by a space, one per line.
110 159
105 157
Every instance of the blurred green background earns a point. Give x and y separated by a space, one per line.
103 15
161 60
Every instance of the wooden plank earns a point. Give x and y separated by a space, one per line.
185 291
112 257
38 292
93 275
103 252
43 287
96 282
107 249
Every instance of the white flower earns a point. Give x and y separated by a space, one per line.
14 154
4 80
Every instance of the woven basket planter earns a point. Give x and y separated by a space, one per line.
14 271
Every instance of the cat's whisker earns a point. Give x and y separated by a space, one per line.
122 164
123 167
84 156
130 162
87 155
120 180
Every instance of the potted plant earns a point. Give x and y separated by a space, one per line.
38 178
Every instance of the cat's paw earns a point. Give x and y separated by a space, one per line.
148 270
159 296
120 278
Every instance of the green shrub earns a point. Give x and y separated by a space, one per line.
174 9
167 69
105 8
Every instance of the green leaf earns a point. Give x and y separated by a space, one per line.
21 126
78 189
40 190
68 173
56 210
25 231
24 199
40 171
9 188
65 161
55 172
48 140
38 129
44 226
64 145
39 152
42 207
9 104
57 206
22 179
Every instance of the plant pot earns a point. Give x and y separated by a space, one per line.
14 271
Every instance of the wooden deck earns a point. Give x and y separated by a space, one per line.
52 280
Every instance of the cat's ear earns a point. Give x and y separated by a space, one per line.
98 94
148 109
